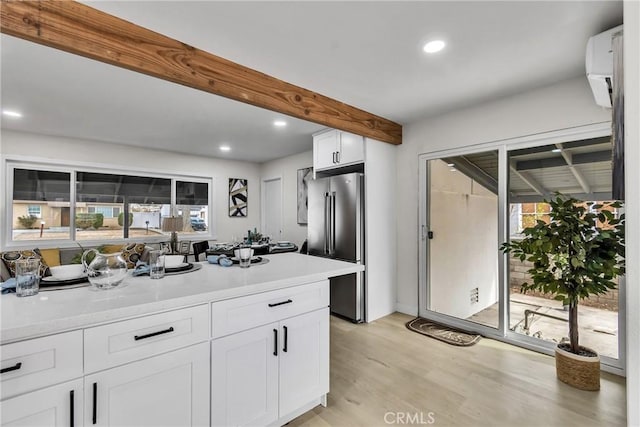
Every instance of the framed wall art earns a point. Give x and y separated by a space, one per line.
238 197
304 175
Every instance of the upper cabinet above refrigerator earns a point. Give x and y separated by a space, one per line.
334 149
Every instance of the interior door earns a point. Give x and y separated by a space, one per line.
272 219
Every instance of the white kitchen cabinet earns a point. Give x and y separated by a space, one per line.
304 360
268 373
336 148
118 343
244 378
171 389
59 405
37 363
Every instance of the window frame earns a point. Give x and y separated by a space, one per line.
10 163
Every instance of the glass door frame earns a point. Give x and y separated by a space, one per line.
502 332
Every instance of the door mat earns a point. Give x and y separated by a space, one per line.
442 333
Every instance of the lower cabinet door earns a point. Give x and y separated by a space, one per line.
167 390
244 377
304 360
59 405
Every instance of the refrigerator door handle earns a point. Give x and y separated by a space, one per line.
326 223
332 229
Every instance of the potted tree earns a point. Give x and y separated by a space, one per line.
578 253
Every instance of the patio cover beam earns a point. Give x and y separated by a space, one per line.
474 172
528 179
576 173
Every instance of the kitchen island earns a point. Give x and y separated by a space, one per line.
217 346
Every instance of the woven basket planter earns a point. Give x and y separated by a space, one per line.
581 372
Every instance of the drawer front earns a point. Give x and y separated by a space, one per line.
238 314
122 342
32 364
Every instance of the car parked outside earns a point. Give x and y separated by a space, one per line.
198 224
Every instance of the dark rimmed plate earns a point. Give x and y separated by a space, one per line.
254 260
179 269
75 281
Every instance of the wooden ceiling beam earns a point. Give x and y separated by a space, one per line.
85 31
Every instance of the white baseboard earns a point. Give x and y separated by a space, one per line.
409 309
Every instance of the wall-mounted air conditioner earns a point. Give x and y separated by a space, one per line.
599 64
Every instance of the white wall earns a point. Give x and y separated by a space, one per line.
632 171
564 105
463 252
287 169
73 151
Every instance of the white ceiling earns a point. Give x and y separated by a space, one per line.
367 54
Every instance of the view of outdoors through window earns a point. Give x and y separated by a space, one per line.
41 204
107 206
463 220
581 169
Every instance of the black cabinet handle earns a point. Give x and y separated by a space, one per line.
71 415
153 334
334 157
11 368
275 342
286 330
281 303
337 157
95 403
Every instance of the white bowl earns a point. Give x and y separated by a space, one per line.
173 261
66 272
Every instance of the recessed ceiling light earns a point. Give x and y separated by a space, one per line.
434 46
225 148
556 150
279 123
450 165
452 170
11 113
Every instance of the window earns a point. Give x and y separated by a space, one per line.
34 210
192 202
43 195
106 211
107 206
530 213
137 200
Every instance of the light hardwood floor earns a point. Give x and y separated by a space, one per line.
383 374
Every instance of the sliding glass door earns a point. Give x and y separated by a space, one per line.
472 201
582 169
461 238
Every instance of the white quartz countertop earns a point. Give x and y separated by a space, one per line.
63 310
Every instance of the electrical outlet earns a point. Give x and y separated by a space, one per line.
473 296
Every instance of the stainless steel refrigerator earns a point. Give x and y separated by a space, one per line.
336 230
